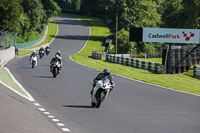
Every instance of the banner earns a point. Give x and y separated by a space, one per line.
168 35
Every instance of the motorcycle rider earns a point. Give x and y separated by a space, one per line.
47 49
59 54
33 55
56 58
41 50
105 73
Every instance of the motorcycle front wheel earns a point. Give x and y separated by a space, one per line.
99 96
33 64
55 71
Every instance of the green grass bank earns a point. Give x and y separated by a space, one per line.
52 30
7 79
99 31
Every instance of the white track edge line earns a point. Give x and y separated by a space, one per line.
14 90
66 129
30 98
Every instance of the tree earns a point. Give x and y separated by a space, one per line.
93 7
137 13
77 4
10 12
51 8
181 13
146 14
70 4
123 41
191 13
171 14
36 14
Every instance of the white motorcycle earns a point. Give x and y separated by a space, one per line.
34 61
100 92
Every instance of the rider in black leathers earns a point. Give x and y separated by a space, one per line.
41 50
47 49
105 73
56 58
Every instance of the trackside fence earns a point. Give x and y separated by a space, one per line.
196 71
96 55
151 66
30 44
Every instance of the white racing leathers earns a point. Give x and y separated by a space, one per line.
100 92
34 61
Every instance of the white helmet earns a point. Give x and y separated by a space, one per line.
34 51
56 56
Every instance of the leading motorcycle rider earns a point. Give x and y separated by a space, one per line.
105 73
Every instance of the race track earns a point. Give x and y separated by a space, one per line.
132 107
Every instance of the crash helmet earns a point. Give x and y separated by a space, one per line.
106 72
56 56
58 51
34 51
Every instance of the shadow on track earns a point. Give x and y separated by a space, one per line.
46 65
29 67
77 106
43 76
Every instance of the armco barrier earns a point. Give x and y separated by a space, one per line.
29 44
7 55
155 67
196 71
96 55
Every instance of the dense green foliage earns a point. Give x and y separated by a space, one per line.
69 4
181 13
10 13
131 13
30 16
26 16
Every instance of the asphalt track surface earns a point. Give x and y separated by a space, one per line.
132 107
18 115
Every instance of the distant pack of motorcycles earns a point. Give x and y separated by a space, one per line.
100 90
42 51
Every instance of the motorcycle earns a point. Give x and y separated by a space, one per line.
41 53
34 61
55 68
47 50
100 92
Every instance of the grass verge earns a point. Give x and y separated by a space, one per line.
7 79
52 30
99 31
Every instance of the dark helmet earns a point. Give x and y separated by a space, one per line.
106 72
